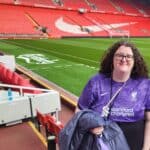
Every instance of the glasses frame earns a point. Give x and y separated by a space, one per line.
128 57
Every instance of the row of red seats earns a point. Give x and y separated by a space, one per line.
9 77
51 125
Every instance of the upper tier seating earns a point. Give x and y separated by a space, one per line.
65 23
105 6
142 7
129 7
125 7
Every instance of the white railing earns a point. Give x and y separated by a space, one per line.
25 105
21 88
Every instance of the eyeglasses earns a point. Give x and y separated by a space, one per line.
128 57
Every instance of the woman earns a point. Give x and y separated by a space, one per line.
120 92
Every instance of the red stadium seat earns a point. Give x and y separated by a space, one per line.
54 127
3 74
42 121
19 80
9 76
51 125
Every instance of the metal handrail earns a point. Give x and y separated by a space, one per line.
21 88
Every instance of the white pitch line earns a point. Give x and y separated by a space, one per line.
67 66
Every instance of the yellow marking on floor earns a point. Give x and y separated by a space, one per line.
41 137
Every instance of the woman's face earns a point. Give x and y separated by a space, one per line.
123 60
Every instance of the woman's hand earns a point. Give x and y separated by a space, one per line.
97 130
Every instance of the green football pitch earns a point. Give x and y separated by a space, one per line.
68 62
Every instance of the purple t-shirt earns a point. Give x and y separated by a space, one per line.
128 106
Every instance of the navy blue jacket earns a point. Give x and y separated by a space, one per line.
76 136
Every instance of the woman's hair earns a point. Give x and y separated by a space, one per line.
139 68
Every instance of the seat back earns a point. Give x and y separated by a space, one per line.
54 127
42 119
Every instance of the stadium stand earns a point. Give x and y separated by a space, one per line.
36 19
129 6
19 26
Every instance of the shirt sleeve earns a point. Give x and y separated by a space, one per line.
147 106
88 95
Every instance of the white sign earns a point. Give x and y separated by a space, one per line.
36 59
